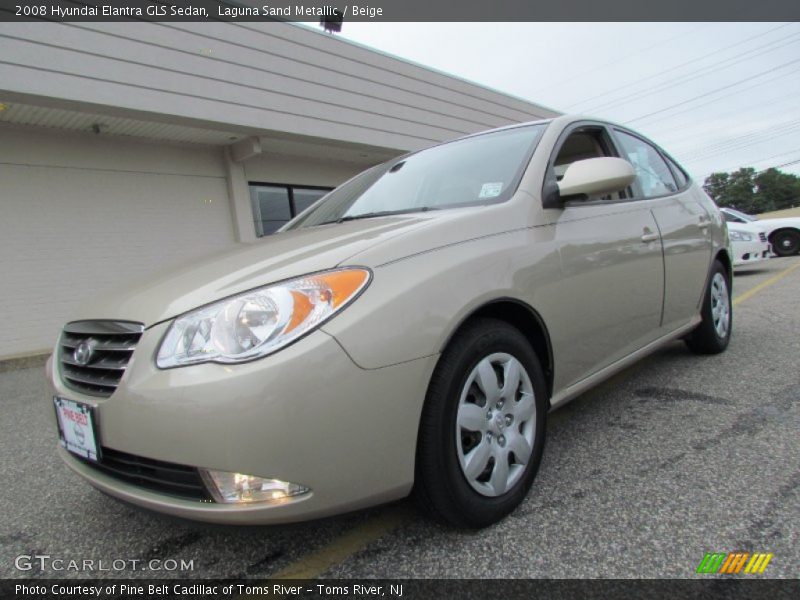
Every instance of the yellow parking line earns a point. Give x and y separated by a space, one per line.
343 547
764 284
374 528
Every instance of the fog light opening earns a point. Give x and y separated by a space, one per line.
238 488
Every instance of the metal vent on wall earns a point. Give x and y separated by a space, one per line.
93 355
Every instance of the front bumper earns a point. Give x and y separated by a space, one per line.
745 253
306 414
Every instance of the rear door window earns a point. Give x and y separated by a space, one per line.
652 173
680 175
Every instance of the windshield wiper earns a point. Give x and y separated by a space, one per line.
380 213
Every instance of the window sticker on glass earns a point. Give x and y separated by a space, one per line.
491 190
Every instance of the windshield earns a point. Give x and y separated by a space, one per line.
741 215
484 169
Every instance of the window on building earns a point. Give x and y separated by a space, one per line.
305 197
275 205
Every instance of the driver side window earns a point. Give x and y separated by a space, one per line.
589 142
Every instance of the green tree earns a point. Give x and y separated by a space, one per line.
736 190
777 190
754 192
716 185
743 189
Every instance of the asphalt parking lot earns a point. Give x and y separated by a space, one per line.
677 456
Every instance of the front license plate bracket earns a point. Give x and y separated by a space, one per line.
77 428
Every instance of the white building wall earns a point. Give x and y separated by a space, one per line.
80 214
264 77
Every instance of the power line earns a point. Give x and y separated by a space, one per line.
621 59
689 76
714 91
739 165
715 100
683 79
689 62
730 143
708 156
776 156
739 112
786 164
727 169
748 163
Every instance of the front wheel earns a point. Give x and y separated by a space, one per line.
482 431
714 332
786 242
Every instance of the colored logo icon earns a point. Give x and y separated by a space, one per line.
732 563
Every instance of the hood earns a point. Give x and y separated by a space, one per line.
274 258
779 222
753 227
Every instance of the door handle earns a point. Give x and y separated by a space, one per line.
703 222
649 237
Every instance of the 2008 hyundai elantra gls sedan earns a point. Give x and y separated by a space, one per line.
407 333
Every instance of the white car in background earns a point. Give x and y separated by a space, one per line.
749 243
782 233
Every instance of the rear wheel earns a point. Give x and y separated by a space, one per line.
786 242
714 332
482 429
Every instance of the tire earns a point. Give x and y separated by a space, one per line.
451 431
714 332
785 242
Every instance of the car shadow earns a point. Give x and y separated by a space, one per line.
750 272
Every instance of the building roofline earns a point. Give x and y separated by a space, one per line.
413 63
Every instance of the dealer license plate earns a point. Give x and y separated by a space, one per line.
76 428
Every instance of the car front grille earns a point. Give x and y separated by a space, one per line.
93 355
762 236
155 475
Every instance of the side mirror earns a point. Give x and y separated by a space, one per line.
596 176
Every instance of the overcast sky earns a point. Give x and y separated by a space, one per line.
718 96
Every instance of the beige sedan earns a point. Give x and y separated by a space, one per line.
408 333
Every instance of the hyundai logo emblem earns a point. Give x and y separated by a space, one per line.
83 352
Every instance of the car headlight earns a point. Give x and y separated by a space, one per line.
740 236
259 322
